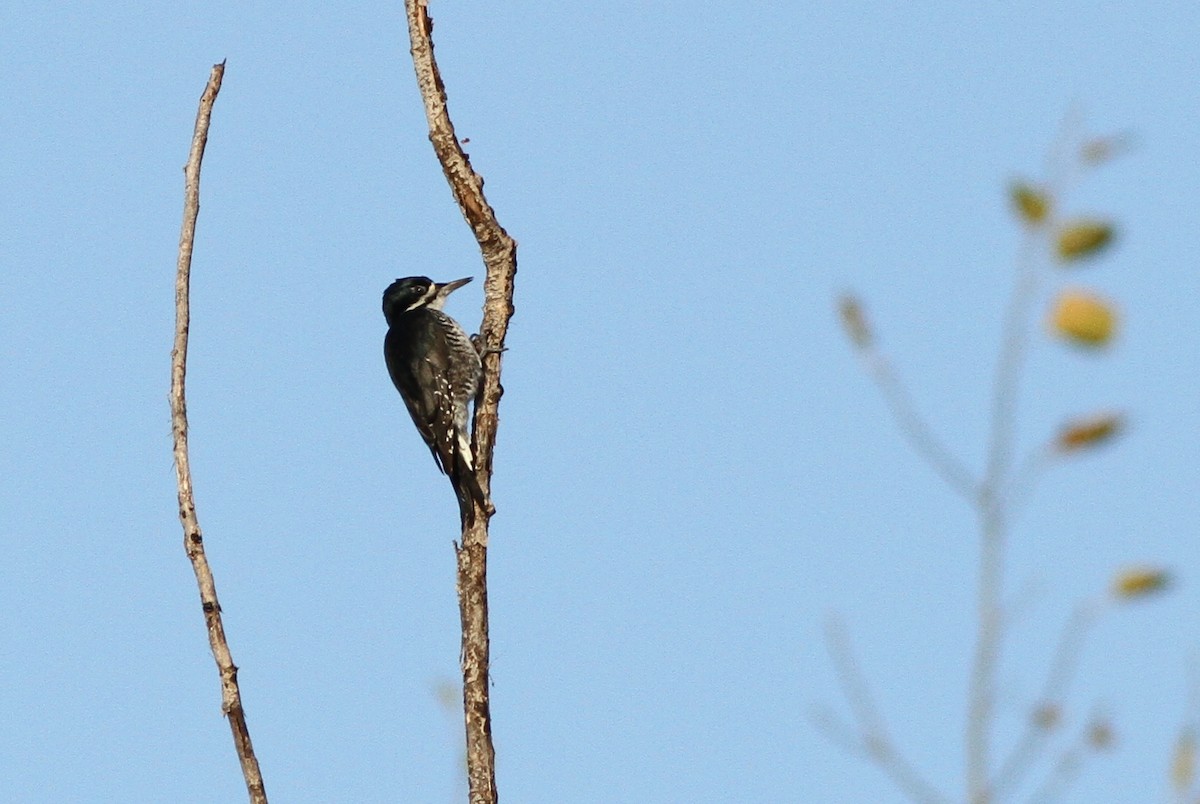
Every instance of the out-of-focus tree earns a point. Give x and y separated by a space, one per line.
1055 242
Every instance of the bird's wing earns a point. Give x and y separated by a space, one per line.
412 379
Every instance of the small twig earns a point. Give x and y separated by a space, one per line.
901 774
850 678
193 541
1050 703
1008 370
1184 757
1064 772
981 683
910 423
872 739
1068 652
991 507
1023 479
1066 769
499 252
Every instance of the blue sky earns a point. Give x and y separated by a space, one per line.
692 471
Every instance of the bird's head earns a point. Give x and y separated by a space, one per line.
410 293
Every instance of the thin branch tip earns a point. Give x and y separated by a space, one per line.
231 701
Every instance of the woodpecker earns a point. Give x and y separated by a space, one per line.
435 367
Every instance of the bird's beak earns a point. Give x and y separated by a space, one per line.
447 288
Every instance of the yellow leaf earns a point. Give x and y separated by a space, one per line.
1089 432
1083 318
1183 763
1083 238
1031 203
1138 582
854 321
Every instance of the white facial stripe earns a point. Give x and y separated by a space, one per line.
430 294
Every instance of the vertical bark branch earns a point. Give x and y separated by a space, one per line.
500 258
193 540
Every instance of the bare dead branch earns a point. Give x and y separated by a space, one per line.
193 541
994 509
870 737
914 427
1096 735
499 253
1024 478
1046 715
982 679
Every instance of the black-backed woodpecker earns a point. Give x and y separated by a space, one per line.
436 369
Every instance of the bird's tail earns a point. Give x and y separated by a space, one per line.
466 488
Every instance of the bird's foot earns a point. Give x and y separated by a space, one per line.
483 351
